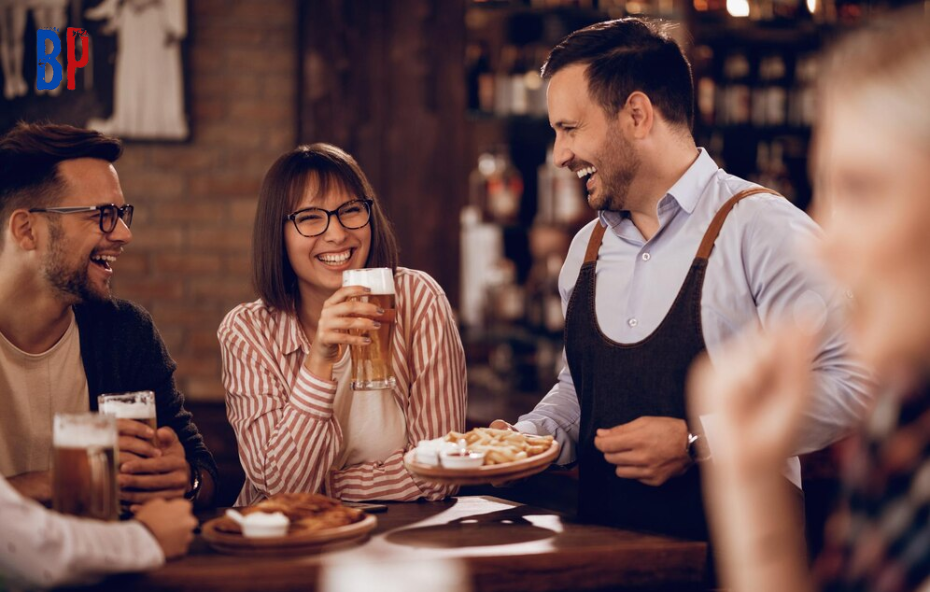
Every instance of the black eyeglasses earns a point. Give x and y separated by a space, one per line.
108 214
312 222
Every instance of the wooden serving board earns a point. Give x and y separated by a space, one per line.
293 543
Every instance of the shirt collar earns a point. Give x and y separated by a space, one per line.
688 189
686 192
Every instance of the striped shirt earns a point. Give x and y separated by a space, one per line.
288 435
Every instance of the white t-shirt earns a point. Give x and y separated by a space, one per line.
372 422
35 387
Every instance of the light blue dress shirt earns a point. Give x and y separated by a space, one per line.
758 273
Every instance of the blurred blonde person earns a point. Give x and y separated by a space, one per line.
872 178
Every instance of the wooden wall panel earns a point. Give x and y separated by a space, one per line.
385 80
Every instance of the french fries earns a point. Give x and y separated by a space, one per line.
501 446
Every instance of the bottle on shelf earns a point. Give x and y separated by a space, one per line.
801 103
735 104
560 195
481 248
503 85
778 172
769 97
771 170
543 300
496 187
705 87
505 298
504 190
519 93
480 78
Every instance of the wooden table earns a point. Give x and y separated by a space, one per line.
504 545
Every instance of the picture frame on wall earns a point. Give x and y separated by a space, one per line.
131 83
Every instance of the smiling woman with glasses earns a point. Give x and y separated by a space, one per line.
286 355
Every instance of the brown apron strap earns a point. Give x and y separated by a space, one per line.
713 231
710 237
594 244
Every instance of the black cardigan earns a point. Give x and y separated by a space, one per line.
122 351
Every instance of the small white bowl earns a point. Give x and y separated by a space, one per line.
428 451
427 455
261 525
461 459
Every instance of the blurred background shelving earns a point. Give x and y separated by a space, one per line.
755 63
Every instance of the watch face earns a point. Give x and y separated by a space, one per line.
195 483
698 448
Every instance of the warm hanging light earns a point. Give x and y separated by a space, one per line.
739 8
812 6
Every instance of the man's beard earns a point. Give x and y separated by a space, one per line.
72 284
618 168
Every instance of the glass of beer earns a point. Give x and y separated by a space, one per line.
139 405
84 465
371 364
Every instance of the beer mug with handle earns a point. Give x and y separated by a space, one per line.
371 364
84 465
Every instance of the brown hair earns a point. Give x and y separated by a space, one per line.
29 157
284 185
628 55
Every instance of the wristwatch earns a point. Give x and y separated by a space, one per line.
196 482
698 449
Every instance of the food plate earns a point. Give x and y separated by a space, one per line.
493 474
299 541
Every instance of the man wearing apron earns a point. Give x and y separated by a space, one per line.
681 257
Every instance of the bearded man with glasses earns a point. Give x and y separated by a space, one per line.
64 339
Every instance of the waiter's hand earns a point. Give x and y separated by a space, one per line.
651 450
165 476
36 485
500 424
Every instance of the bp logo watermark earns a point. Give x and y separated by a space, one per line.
49 58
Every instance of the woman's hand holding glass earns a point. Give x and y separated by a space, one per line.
339 315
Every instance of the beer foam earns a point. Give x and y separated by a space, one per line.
122 410
84 436
379 279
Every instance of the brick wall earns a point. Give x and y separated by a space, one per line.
189 262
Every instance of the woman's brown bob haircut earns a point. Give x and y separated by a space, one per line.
322 167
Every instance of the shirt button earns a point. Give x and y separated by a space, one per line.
632 322
849 294
646 256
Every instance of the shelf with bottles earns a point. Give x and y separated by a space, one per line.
755 109
510 267
783 20
507 43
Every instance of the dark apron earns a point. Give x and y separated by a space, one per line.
617 383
